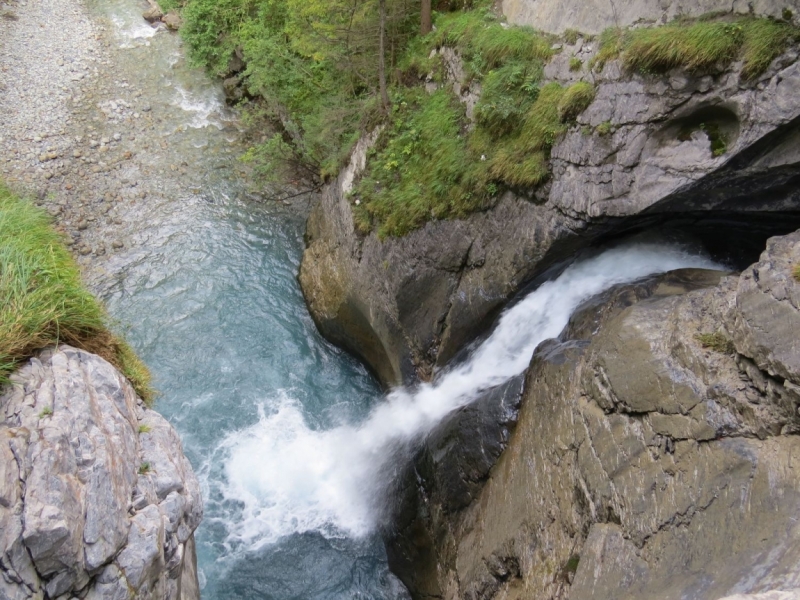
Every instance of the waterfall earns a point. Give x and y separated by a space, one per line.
289 478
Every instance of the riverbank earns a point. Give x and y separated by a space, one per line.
100 152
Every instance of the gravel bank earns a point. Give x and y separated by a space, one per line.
88 131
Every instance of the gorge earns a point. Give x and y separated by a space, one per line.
585 390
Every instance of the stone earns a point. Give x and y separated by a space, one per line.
641 464
70 449
594 16
172 20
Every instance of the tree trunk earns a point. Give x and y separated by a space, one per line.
425 20
382 59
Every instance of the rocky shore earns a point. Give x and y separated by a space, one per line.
97 499
99 149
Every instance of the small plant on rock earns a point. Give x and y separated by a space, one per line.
571 36
143 428
46 412
575 64
796 272
604 128
144 468
716 342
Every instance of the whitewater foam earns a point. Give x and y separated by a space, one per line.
289 478
206 106
132 30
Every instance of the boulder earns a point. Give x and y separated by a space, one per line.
96 496
172 20
653 456
154 13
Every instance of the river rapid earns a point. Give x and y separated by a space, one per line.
292 439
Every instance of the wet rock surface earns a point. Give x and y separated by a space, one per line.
638 156
649 460
96 497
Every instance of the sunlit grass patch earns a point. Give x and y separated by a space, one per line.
43 301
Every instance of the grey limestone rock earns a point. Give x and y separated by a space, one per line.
73 518
642 464
593 16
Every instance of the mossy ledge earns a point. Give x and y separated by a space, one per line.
43 301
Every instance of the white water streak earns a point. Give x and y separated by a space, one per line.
292 479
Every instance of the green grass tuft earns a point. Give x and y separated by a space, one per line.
700 46
575 64
604 128
46 412
144 468
575 100
43 301
796 272
716 342
571 36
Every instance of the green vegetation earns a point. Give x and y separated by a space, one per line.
144 468
571 36
46 412
698 46
796 272
42 299
716 136
716 342
604 128
144 428
431 163
312 65
572 563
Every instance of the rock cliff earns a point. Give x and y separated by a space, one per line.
593 16
655 454
97 500
639 155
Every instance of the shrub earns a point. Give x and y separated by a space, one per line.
42 299
507 94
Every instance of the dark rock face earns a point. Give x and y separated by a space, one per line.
642 465
445 477
407 305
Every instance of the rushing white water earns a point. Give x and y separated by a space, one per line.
206 105
132 30
291 478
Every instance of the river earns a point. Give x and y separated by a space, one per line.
291 437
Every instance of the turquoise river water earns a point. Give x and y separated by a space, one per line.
291 438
